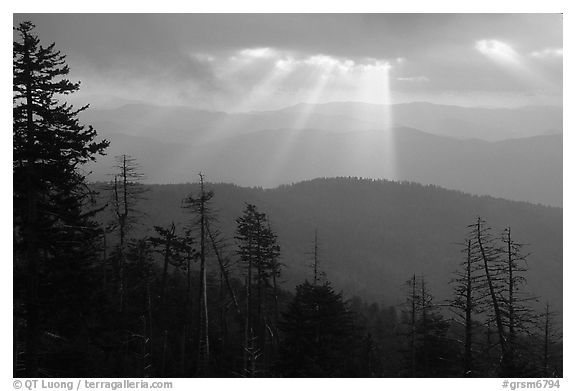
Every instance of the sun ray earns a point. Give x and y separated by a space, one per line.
512 62
372 153
291 137
239 115
367 152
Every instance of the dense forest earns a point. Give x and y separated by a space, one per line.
122 279
364 227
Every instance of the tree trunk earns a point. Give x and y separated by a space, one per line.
546 338
148 362
248 320
30 237
499 325
468 336
167 253
413 327
511 326
223 270
202 318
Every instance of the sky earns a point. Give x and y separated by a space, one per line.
245 62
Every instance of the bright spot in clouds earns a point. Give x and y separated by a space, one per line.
517 65
497 50
548 53
258 52
277 77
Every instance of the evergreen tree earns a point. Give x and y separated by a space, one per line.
52 227
318 332
173 250
259 251
140 270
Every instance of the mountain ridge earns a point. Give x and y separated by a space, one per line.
404 154
375 233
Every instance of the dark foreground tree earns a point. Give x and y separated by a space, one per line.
318 334
259 252
52 229
465 304
200 207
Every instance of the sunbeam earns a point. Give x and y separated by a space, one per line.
320 76
312 80
372 153
264 89
512 62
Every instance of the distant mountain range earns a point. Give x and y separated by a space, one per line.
186 124
303 142
483 123
375 234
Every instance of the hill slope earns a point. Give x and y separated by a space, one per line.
375 234
528 169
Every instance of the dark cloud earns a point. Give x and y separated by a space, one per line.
164 50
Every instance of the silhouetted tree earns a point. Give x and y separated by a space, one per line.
318 332
318 274
551 349
140 267
51 224
489 255
465 301
518 315
172 249
428 350
126 191
259 252
200 208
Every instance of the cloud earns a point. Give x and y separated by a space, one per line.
497 50
214 58
548 53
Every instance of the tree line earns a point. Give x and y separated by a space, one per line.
95 299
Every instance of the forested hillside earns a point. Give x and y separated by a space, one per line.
373 234
508 169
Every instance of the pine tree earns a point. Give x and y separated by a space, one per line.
173 250
140 268
259 251
319 334
52 225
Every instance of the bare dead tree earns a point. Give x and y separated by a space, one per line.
126 192
200 208
551 342
519 316
468 297
489 254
